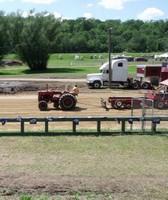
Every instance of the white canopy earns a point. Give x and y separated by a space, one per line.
165 82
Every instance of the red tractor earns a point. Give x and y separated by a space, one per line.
159 95
160 98
63 99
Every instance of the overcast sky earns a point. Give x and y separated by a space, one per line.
99 9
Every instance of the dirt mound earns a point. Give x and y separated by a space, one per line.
10 87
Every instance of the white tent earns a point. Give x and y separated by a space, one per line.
165 55
165 82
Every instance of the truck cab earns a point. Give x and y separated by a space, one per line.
119 69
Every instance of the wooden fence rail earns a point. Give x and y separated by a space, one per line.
76 121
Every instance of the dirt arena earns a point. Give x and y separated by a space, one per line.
23 102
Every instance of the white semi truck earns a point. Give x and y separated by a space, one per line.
119 75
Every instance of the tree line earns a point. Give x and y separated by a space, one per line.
35 37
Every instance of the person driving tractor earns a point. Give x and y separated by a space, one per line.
75 90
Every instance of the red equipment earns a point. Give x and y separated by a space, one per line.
63 99
123 102
160 98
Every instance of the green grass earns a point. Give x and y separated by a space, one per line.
88 156
68 60
69 72
137 165
66 67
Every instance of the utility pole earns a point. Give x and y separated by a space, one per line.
110 49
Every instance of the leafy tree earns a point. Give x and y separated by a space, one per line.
16 22
37 37
4 35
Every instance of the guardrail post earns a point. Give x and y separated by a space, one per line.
122 126
153 127
74 127
22 126
98 126
74 123
46 126
155 121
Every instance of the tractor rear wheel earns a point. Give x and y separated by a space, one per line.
67 102
43 105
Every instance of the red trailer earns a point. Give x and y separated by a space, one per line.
123 102
151 75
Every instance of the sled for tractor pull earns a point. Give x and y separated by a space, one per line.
122 102
152 99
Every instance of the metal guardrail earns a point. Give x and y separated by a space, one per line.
76 120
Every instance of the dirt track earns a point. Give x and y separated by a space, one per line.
23 102
23 94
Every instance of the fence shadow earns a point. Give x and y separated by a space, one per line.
84 134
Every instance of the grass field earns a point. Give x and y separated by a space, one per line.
136 164
66 67
88 156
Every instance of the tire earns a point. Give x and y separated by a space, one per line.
128 106
135 85
43 105
96 85
159 104
118 103
145 85
67 102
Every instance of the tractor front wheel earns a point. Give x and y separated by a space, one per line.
43 105
67 102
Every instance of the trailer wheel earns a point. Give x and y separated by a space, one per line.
67 102
145 85
159 104
128 106
43 105
96 84
118 103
